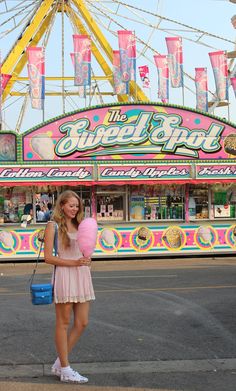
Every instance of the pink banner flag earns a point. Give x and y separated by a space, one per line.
144 76
4 80
127 47
82 60
119 85
175 60
81 89
163 77
220 70
201 89
233 84
36 73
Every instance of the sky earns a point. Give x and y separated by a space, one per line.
210 16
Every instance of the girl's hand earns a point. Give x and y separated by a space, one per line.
85 261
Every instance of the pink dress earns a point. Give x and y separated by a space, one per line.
72 283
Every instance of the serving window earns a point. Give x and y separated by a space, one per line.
212 202
199 201
111 203
124 203
156 202
44 201
13 203
223 197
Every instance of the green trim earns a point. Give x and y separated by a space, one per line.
157 104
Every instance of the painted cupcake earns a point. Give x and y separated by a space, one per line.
234 231
234 234
173 237
40 235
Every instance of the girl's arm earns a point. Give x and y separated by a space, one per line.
54 260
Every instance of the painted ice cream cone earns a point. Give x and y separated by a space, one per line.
40 235
230 145
143 235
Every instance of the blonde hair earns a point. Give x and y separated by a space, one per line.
59 217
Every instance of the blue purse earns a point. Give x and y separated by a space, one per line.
43 293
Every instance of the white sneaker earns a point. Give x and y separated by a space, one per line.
71 376
55 370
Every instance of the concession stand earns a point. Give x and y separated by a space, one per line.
160 180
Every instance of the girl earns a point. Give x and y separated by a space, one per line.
73 287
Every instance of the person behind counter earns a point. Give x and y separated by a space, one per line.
73 288
48 213
28 209
40 213
27 216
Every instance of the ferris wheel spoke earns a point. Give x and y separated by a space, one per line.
119 25
194 29
106 12
175 32
7 10
23 10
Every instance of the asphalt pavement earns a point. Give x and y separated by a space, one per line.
155 325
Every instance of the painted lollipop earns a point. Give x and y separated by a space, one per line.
43 146
87 236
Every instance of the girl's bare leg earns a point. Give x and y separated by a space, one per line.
63 313
81 315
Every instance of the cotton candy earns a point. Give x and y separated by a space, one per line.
43 145
7 239
87 236
108 236
205 234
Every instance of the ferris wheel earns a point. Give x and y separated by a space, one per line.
51 24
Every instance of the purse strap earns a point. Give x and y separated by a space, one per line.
55 246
